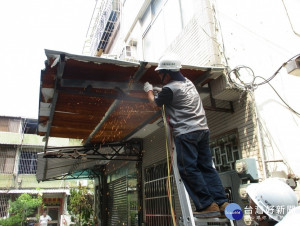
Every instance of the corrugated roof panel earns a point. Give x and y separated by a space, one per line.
90 96
48 77
79 114
99 100
97 71
126 117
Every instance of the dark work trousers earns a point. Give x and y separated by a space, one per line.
200 178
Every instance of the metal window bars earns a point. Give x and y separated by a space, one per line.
7 159
156 196
225 152
4 204
28 160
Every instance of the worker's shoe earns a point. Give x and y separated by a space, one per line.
209 212
222 208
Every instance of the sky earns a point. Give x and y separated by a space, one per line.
28 27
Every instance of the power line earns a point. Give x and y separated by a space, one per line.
288 16
289 107
252 85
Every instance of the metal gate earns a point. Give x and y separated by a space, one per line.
156 196
117 202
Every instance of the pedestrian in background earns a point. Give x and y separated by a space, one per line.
44 219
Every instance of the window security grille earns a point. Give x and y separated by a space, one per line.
156 196
4 205
7 159
28 161
225 152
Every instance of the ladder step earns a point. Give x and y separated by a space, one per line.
215 219
219 221
207 214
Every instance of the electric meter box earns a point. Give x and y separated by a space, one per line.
246 168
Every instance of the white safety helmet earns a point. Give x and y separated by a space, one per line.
169 62
273 196
291 218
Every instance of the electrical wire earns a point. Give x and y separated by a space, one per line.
252 85
288 106
290 21
273 76
217 22
264 130
236 72
168 184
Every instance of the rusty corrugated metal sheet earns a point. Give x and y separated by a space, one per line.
85 92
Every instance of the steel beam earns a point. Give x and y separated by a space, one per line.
140 72
60 71
129 150
115 104
77 83
203 90
150 119
206 75
118 96
210 108
111 109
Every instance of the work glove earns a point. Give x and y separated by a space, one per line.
147 87
157 89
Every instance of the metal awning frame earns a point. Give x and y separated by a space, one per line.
58 77
121 150
132 84
87 85
82 174
124 151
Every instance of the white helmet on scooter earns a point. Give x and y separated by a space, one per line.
274 197
291 218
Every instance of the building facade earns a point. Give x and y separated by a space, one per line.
19 148
145 30
202 33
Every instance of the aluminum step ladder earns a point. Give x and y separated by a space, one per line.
187 218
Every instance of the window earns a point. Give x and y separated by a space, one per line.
225 152
189 8
7 159
128 51
4 205
28 162
161 23
10 125
156 7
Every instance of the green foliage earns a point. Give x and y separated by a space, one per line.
20 209
11 221
81 205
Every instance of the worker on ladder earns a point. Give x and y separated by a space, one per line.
189 127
